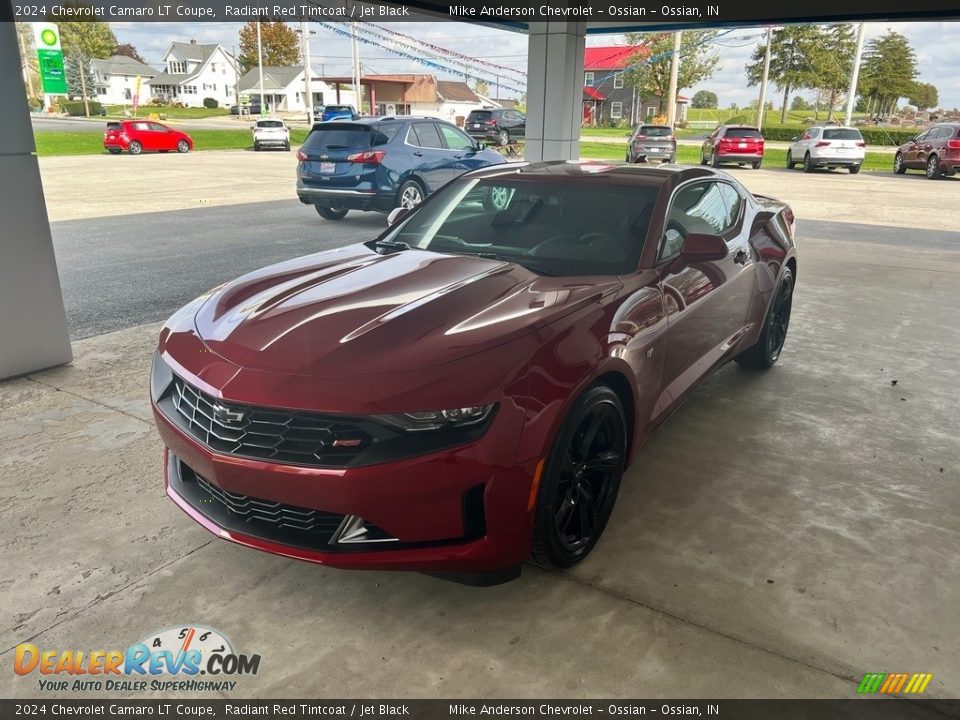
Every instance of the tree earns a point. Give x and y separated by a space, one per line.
93 39
924 96
129 51
480 87
650 73
791 60
75 86
799 103
705 99
888 72
280 43
832 58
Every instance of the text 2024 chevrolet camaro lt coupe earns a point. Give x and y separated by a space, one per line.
465 391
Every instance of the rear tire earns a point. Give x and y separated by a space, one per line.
287 147
933 168
410 195
503 138
135 147
898 166
757 164
854 169
331 213
581 480
114 151
766 351
256 147
715 161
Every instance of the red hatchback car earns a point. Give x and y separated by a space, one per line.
466 390
137 136
733 144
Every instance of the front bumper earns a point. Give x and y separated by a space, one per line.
461 510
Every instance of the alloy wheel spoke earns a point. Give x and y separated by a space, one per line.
564 515
586 442
605 462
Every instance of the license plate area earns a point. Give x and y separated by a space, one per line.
328 168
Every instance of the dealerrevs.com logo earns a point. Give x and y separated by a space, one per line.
188 659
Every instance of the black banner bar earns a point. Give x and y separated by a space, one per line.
855 709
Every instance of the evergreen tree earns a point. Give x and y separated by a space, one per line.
792 66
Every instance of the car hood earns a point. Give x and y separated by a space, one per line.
352 311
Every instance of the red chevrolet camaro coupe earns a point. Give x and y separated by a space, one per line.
465 391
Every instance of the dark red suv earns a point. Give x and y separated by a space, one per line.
936 151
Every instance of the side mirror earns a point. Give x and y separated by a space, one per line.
794 138
699 247
396 215
480 146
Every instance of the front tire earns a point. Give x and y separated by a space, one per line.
183 146
933 168
766 351
331 213
898 167
410 195
579 486
807 164
790 163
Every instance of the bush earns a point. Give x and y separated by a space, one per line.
210 103
35 103
75 108
872 135
157 102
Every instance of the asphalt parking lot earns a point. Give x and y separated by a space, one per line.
781 535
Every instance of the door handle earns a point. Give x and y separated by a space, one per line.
418 154
741 257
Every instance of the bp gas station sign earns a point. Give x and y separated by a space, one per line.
46 37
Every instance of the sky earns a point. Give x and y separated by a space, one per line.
937 45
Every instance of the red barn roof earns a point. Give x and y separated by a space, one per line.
612 57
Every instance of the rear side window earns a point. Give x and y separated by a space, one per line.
333 136
842 134
743 133
655 131
424 135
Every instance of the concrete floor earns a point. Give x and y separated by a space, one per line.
822 544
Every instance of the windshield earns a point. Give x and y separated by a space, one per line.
842 134
551 227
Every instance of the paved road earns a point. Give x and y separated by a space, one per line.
123 271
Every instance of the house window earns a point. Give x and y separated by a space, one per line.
588 78
617 81
176 67
616 110
101 91
651 110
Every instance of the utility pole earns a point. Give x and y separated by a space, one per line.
236 78
674 74
855 75
83 87
260 64
26 61
357 89
766 78
307 70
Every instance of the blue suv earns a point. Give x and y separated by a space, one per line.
338 112
381 163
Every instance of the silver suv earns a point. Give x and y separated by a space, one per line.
270 132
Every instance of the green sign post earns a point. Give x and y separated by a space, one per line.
50 59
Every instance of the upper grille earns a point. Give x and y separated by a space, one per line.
286 436
291 517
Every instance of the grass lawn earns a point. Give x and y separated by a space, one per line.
690 155
736 117
91 143
170 112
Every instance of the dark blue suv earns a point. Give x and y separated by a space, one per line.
380 163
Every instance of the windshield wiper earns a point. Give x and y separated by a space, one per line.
395 245
522 260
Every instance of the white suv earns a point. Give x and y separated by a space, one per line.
828 147
269 132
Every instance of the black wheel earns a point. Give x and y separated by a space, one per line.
581 480
497 198
287 147
715 161
757 164
410 195
790 162
183 146
807 163
256 147
898 166
767 349
503 138
114 151
135 147
331 213
854 169
703 158
933 168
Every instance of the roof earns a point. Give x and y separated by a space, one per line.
506 103
122 65
274 78
616 173
611 57
193 51
456 90
593 94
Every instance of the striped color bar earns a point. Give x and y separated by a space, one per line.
893 683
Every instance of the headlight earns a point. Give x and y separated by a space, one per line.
160 377
440 419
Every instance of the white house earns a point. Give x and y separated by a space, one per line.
116 80
284 89
193 72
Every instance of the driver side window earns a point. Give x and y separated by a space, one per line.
696 208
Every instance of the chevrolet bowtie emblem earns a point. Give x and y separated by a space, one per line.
226 416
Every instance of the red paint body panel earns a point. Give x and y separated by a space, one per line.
152 136
356 333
